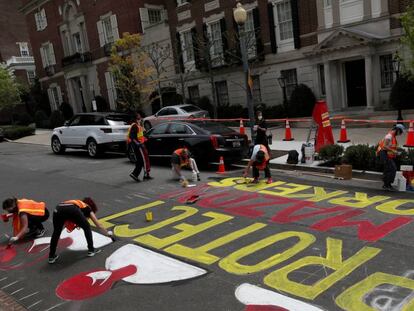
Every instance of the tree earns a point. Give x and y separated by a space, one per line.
9 90
407 21
132 73
402 93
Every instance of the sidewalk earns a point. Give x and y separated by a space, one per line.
41 137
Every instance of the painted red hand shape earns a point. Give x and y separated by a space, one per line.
264 308
92 283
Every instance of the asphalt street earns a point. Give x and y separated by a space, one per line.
301 243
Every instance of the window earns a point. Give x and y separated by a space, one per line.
291 80
187 46
24 48
111 88
75 121
77 42
194 93
327 3
181 2
257 97
222 93
40 19
160 129
216 48
31 76
154 16
176 128
48 55
387 71
107 30
250 35
321 69
55 97
284 20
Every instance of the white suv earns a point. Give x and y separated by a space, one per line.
95 132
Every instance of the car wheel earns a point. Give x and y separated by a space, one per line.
147 125
56 145
93 148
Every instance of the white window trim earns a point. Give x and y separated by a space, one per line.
283 45
188 64
111 89
102 35
52 99
47 60
209 34
40 19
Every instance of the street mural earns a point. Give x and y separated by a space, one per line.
132 264
296 267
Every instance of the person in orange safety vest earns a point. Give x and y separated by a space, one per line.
182 158
136 143
259 161
387 152
28 216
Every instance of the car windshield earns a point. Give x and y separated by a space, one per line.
215 128
118 119
190 108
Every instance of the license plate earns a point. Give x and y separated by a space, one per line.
236 144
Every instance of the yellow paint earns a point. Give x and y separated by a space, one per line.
186 230
201 254
279 279
125 231
105 221
231 262
257 187
360 200
285 190
391 207
352 298
226 182
319 194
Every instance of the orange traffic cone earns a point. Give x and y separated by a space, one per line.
242 131
221 169
410 136
288 132
343 137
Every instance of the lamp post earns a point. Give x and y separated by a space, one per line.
282 83
240 16
396 64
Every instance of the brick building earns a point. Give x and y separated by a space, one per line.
15 50
342 49
72 40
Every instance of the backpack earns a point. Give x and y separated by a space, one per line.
293 157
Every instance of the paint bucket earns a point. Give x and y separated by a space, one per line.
400 182
194 177
309 154
148 216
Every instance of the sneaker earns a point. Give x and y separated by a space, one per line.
40 233
147 177
269 181
134 177
96 251
255 181
53 259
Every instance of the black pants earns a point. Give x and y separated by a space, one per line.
72 213
256 172
390 168
139 160
35 222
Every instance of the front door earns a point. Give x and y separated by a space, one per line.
355 83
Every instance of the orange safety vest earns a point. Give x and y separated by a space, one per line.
78 203
393 146
183 161
140 134
30 207
263 165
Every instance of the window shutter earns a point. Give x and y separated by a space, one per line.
51 99
295 23
272 28
143 13
52 54
43 56
114 24
196 49
101 35
37 21
44 19
110 89
164 15
180 68
59 91
258 35
223 29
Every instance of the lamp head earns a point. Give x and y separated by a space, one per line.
240 14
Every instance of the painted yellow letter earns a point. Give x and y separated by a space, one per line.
392 207
361 200
285 190
319 195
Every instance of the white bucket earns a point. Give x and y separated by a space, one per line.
309 154
400 182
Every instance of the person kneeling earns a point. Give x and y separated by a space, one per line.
76 213
182 158
260 162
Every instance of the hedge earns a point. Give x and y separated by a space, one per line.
16 132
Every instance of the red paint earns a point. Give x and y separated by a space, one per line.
184 192
367 231
264 308
287 215
7 253
228 198
81 286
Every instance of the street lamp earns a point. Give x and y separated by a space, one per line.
240 16
396 64
282 83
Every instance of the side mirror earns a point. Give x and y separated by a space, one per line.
66 123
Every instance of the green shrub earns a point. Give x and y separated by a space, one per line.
56 119
301 102
24 119
16 132
41 118
66 110
331 153
205 104
361 157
